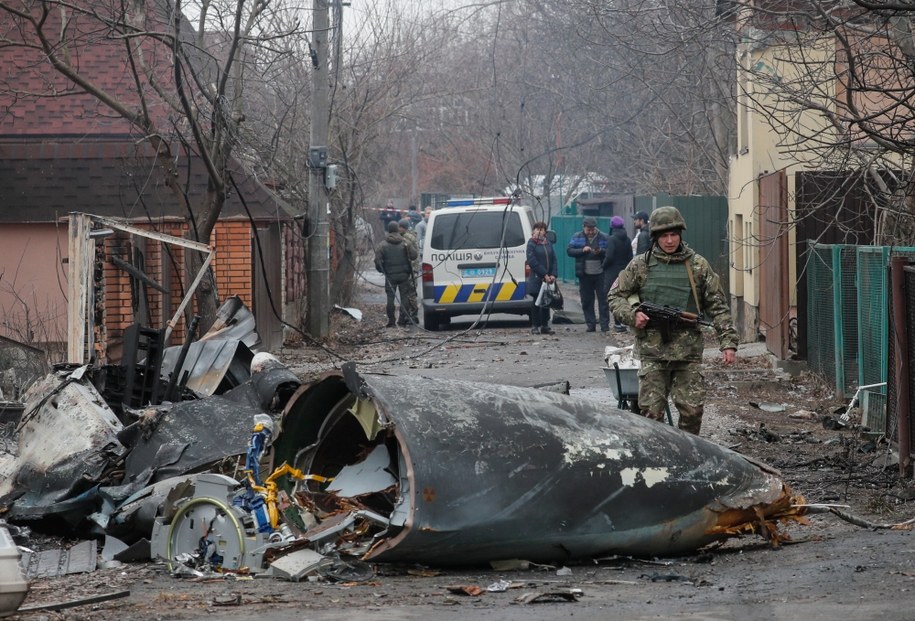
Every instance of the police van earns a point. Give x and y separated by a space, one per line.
474 259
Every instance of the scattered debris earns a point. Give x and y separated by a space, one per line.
549 597
769 407
72 603
472 590
363 468
658 577
79 559
500 586
355 313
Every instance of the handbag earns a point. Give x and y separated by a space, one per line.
556 302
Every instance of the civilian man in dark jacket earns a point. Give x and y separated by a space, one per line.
619 253
394 258
589 247
642 241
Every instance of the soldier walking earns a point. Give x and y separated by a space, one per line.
394 258
672 274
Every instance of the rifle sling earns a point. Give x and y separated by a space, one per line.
692 285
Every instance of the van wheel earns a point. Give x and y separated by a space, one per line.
430 321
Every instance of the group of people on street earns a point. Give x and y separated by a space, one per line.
619 274
397 257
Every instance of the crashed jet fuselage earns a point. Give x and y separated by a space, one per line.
478 472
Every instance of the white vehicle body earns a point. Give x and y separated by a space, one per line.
474 260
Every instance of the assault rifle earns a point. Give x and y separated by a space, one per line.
664 318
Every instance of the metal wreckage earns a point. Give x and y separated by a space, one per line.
238 466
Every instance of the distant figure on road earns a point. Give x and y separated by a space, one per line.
672 274
541 258
388 214
414 216
589 247
394 258
421 227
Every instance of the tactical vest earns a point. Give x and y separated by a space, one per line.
668 284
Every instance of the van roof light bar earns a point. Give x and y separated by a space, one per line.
472 202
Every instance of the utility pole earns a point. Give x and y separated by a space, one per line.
318 305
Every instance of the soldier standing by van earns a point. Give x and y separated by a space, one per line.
394 257
672 274
589 247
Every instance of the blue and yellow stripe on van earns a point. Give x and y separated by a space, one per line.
479 292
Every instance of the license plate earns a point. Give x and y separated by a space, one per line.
478 272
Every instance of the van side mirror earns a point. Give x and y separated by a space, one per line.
551 236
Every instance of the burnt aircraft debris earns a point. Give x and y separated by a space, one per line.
252 471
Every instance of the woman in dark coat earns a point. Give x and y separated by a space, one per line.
541 258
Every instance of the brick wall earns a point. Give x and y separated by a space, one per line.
232 267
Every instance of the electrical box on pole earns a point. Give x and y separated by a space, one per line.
317 157
330 176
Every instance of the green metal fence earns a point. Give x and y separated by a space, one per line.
847 316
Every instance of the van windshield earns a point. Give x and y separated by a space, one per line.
480 229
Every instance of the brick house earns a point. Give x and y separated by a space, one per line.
70 154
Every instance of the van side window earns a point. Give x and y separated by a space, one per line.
476 230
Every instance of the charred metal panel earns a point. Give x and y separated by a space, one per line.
67 440
213 367
193 435
234 321
489 472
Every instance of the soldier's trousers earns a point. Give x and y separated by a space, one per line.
409 310
682 381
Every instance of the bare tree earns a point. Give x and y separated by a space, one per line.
834 81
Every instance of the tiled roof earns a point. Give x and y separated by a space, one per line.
69 152
36 99
41 182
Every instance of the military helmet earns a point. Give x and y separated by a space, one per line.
665 219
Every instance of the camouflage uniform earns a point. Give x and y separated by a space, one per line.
412 298
672 368
394 258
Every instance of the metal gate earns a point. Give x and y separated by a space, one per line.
774 296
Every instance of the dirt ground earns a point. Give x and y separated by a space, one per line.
831 568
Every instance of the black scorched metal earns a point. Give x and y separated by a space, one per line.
487 472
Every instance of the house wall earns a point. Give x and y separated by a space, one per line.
33 277
34 281
762 150
232 267
233 263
